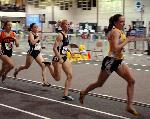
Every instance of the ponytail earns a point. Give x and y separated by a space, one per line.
31 26
110 26
112 21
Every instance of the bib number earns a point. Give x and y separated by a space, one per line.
37 46
9 46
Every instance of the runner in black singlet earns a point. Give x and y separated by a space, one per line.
60 61
34 53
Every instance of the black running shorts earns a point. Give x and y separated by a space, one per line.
34 53
110 64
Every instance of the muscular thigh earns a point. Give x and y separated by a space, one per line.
39 59
29 60
67 67
124 72
7 60
57 68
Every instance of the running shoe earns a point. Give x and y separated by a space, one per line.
133 111
55 59
68 98
3 78
46 85
15 73
47 63
81 98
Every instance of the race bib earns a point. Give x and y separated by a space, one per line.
64 50
37 46
9 46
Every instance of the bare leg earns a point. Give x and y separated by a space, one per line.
7 65
124 72
67 68
55 70
39 59
99 83
2 69
29 60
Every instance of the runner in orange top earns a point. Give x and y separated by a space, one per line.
7 41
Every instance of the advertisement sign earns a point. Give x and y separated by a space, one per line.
138 5
33 18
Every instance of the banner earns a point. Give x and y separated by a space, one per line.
138 5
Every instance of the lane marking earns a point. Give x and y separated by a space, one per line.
90 93
85 108
24 53
90 63
20 110
19 55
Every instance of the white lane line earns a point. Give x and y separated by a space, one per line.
139 54
20 110
76 90
89 109
20 55
24 53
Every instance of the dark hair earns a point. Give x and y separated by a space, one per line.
112 21
5 24
31 26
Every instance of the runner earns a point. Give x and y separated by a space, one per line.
115 61
34 53
7 40
60 61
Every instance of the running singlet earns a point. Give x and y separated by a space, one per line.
7 43
35 49
63 48
36 46
118 55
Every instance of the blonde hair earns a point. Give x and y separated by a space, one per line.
63 22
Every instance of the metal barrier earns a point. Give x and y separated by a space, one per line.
140 45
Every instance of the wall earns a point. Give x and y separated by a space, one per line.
105 10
